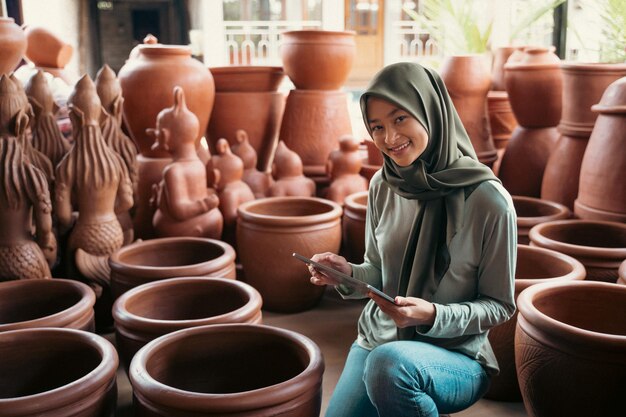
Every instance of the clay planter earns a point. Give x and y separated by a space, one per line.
622 273
45 49
171 257
318 59
569 349
13 41
534 266
501 118
599 245
353 227
247 78
57 373
532 211
269 230
157 308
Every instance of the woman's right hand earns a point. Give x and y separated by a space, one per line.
332 260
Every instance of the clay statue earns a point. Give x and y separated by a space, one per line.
185 206
259 182
23 190
343 167
287 170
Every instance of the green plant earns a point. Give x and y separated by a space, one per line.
535 12
613 16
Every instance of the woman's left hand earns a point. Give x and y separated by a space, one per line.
407 311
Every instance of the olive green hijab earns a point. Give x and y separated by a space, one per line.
441 178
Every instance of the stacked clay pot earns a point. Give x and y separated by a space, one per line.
269 230
569 349
534 266
534 85
228 370
533 211
583 86
353 227
13 41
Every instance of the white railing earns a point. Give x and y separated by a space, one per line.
411 42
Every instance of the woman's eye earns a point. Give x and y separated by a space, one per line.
400 118
376 128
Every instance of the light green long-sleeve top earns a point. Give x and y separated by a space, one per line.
477 291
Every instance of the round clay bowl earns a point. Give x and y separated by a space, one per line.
172 257
353 226
46 303
157 308
569 349
534 266
622 273
57 372
247 78
532 211
599 245
228 369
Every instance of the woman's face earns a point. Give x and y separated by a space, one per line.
395 132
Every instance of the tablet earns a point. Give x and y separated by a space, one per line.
344 278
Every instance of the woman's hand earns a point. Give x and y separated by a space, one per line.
334 261
408 311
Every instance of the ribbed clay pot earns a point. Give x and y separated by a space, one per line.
532 211
13 41
45 49
569 349
57 373
534 266
622 273
157 308
269 230
318 59
501 118
599 245
46 303
353 226
228 370
158 259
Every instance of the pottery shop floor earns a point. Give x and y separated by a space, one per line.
332 325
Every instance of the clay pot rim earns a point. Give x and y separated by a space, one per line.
123 317
63 317
101 376
238 69
593 67
578 272
344 37
312 92
334 213
144 384
562 212
351 201
161 49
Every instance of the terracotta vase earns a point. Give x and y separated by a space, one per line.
343 168
269 230
255 371
353 227
501 118
46 303
500 57
534 266
601 193
374 160
13 41
468 81
569 349
318 59
45 49
622 273
247 78
599 245
57 372
157 308
159 259
533 211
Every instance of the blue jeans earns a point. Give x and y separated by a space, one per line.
406 378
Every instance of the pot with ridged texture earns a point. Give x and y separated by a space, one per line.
13 41
532 211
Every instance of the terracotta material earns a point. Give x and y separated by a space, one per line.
247 78
500 57
57 373
46 303
269 230
14 44
45 49
159 259
150 173
567 333
255 371
374 160
501 118
622 273
533 211
343 167
353 227
288 173
258 181
534 266
318 59
599 245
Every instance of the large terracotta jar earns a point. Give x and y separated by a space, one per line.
46 49
532 211
500 57
46 303
622 273
534 266
353 227
501 118
158 259
569 349
269 230
599 245
602 189
57 372
157 308
13 41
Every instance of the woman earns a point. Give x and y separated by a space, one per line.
441 239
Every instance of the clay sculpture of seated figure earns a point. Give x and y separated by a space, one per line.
185 206
343 167
259 182
288 173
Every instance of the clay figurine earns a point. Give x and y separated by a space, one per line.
259 182
343 167
287 170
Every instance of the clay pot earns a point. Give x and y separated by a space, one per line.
254 371
269 230
501 118
171 257
599 245
247 78
622 273
157 308
500 57
149 174
373 162
46 303
57 372
318 59
533 211
601 193
45 49
534 266
353 227
13 43
569 349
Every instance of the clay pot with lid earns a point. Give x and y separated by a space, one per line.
57 373
569 349
13 41
533 211
353 226
163 258
46 49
